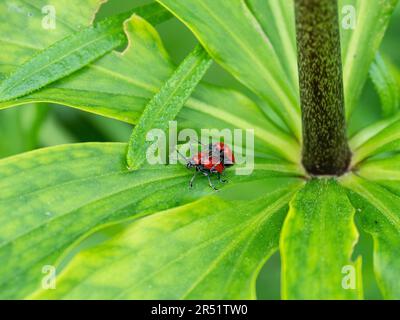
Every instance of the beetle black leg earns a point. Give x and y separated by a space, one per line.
221 179
210 183
191 180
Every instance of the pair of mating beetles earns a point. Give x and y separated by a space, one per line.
213 161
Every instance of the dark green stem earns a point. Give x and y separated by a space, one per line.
325 146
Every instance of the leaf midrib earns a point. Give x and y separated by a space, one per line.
55 248
193 249
105 196
277 87
68 53
247 228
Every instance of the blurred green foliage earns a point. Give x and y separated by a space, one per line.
33 126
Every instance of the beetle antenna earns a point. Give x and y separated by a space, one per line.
199 142
183 157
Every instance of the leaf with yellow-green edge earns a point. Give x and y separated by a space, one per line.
385 172
235 39
73 53
107 87
370 131
52 197
278 21
234 234
386 79
386 139
167 103
18 45
95 94
361 43
317 243
378 210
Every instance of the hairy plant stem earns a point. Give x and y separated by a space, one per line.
325 146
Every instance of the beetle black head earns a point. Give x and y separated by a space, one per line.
190 164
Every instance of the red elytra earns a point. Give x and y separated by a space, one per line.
218 157
226 153
207 162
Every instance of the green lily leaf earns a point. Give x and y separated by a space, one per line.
107 87
18 45
79 186
233 237
370 131
50 198
386 139
277 20
379 214
72 53
385 77
361 43
384 171
71 19
167 103
234 38
317 243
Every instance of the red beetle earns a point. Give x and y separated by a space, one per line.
214 161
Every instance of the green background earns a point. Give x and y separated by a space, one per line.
34 126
